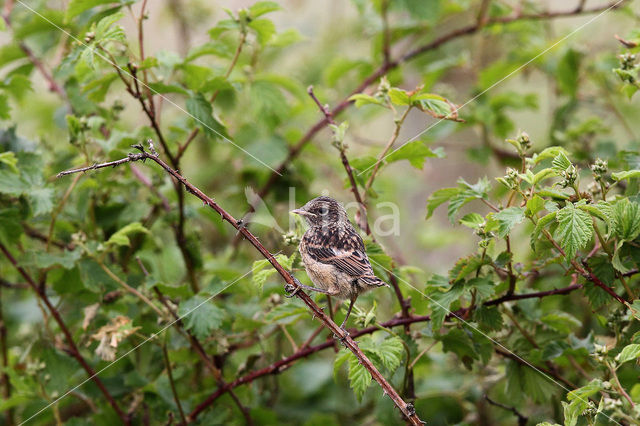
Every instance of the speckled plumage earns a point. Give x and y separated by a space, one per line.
333 253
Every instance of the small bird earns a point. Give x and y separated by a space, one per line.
333 253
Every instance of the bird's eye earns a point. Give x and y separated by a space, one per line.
324 211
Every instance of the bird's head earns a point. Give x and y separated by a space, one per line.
323 211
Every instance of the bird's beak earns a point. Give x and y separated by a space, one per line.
301 212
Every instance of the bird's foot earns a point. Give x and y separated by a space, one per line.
290 290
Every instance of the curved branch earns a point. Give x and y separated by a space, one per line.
295 149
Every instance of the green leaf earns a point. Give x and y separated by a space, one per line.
9 158
440 197
162 88
465 193
440 303
200 316
574 229
628 174
388 351
626 219
343 355
361 99
534 206
121 237
562 322
489 318
41 200
459 342
560 162
359 377
262 269
76 7
264 28
472 220
200 109
263 7
66 259
594 211
542 175
416 152
629 353
399 97
507 219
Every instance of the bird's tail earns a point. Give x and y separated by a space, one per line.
373 281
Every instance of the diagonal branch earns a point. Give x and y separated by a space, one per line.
72 348
292 283
436 43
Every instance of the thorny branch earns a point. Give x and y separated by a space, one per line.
343 336
72 348
363 223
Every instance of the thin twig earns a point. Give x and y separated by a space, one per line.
72 348
172 383
522 420
436 43
362 222
388 146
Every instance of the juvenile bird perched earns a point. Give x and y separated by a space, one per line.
333 253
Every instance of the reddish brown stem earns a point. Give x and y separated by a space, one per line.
72 348
363 223
295 150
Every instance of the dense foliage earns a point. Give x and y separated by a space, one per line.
513 256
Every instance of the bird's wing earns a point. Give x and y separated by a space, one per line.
346 253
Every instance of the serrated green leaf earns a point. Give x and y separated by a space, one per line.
359 377
507 219
201 110
399 97
440 197
560 162
415 151
200 316
41 200
488 318
574 229
472 220
629 353
626 219
594 211
388 351
441 301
